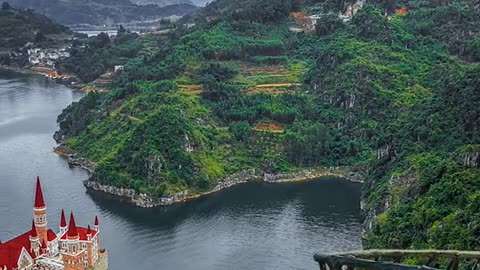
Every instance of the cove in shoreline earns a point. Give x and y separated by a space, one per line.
40 71
143 200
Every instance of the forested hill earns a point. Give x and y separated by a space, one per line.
392 92
102 12
17 27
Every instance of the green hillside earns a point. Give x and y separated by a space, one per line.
393 96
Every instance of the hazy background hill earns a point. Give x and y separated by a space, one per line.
162 3
17 27
105 12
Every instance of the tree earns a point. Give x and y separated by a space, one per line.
102 40
40 37
307 142
240 130
6 6
371 23
328 25
121 30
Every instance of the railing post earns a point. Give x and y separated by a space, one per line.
453 265
431 262
476 265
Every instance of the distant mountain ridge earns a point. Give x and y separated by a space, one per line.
163 3
104 12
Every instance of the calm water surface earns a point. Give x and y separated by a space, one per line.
254 226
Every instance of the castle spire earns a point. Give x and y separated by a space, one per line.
44 247
40 212
39 202
72 227
33 232
63 221
95 224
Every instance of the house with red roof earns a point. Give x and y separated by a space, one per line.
72 248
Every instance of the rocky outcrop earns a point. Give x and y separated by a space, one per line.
312 173
350 10
153 165
382 152
471 158
139 199
75 160
398 186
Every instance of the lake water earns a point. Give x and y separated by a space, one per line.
252 226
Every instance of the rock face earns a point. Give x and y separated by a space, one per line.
146 201
153 165
397 185
312 173
351 10
74 160
471 158
384 151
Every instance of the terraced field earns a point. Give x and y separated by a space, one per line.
272 79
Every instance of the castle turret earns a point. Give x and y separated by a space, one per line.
90 255
34 240
63 224
96 227
89 233
40 213
73 255
44 248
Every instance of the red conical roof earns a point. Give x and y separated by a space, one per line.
39 202
72 228
63 221
33 232
96 221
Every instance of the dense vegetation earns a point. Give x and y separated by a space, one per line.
395 96
93 56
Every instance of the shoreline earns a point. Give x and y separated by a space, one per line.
24 71
34 70
144 200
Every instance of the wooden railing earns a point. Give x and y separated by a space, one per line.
392 259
